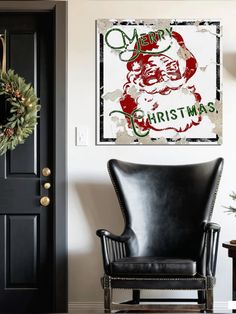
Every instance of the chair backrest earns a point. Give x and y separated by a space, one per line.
165 207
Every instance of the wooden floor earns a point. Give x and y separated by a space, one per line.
93 311
102 312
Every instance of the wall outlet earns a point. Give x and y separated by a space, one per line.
81 136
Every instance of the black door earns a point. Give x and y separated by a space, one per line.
26 227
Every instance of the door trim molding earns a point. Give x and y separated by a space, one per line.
60 155
60 264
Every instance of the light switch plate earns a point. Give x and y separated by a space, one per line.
231 305
81 136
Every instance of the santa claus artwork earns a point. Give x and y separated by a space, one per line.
163 94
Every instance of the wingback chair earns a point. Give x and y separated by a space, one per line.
168 242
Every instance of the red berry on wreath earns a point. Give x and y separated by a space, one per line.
9 132
17 94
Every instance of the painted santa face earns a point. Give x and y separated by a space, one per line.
159 74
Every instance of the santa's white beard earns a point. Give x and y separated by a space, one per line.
161 111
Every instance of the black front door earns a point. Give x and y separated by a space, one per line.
26 227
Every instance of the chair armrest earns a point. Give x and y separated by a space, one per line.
212 231
105 233
113 247
212 226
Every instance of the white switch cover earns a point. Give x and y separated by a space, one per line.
231 305
81 136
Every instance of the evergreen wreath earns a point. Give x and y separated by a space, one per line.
22 107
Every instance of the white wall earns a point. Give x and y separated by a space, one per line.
92 202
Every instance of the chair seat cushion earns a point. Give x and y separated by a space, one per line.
153 266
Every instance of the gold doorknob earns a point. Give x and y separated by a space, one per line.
46 172
47 185
44 201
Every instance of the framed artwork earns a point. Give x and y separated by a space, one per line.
158 82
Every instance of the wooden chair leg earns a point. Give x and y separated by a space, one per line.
201 297
209 300
107 300
136 296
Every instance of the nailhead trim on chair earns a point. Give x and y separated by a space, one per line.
117 194
210 281
214 197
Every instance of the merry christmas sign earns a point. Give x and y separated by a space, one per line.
159 82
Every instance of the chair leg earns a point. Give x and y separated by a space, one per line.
136 296
107 300
201 297
209 300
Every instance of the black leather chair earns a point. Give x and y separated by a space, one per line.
168 240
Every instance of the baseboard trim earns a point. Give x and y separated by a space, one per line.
221 307
77 307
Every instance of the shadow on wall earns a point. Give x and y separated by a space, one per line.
100 206
229 63
101 210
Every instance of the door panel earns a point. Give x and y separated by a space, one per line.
26 227
24 46
16 160
21 231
